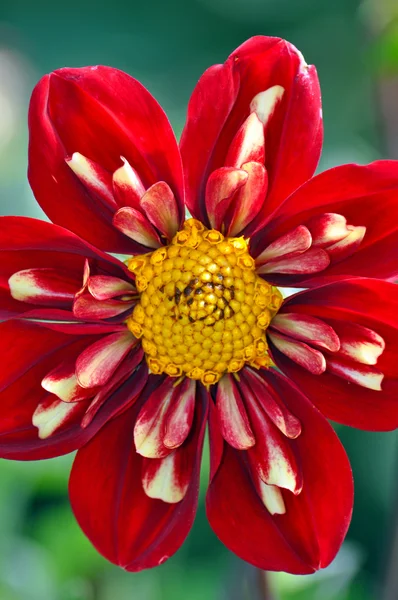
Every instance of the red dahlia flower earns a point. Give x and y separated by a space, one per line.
127 362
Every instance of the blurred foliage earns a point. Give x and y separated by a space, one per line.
167 45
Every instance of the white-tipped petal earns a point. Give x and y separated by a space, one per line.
308 329
132 223
361 344
42 286
97 363
363 375
314 260
296 241
233 419
272 498
62 382
150 425
348 245
162 479
264 103
180 415
127 185
93 176
248 143
51 414
301 353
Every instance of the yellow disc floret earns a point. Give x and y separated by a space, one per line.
203 311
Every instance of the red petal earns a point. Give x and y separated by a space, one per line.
87 308
133 224
98 362
149 430
308 535
368 303
271 404
248 202
272 457
103 114
160 206
180 415
62 382
314 260
104 287
297 240
125 525
300 353
307 329
132 370
96 179
222 101
233 419
220 188
43 286
366 197
248 143
127 186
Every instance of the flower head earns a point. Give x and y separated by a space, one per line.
129 361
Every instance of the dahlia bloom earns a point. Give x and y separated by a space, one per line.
127 362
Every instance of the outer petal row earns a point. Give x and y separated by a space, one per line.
104 114
309 533
369 303
221 102
127 526
367 197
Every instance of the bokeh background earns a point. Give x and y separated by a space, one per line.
167 44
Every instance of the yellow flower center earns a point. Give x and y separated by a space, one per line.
203 311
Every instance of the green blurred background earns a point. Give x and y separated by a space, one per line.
167 45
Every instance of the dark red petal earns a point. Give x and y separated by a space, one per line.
309 534
220 104
104 114
372 304
366 196
33 244
107 496
28 353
